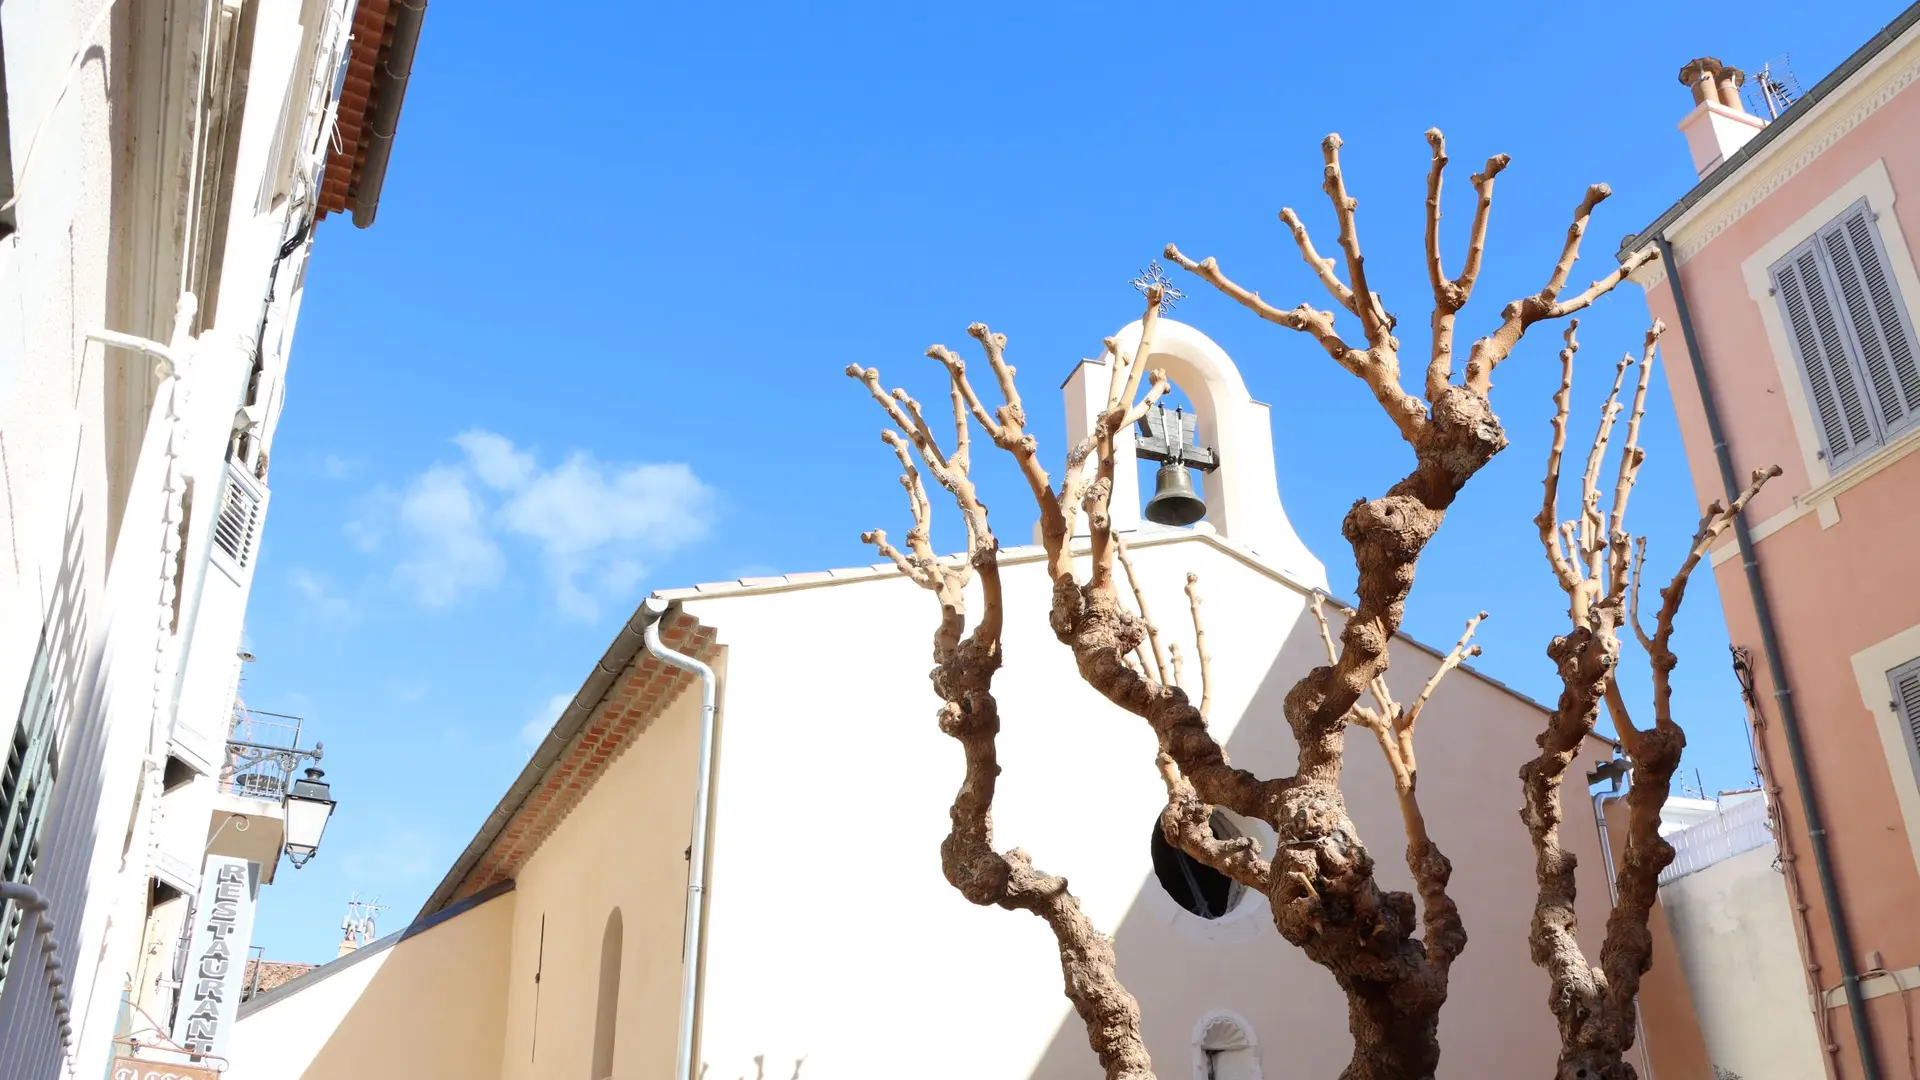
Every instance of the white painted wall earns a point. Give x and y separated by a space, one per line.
834 935
96 449
429 1005
1735 936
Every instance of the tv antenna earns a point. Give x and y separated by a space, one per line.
357 928
1773 87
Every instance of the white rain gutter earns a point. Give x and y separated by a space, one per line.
690 984
30 900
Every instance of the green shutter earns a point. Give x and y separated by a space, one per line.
26 788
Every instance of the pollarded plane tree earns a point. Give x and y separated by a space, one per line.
1599 566
1321 886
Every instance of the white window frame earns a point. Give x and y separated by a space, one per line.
1825 482
1873 668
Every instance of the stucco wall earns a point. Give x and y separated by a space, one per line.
835 937
622 847
431 1005
55 523
1836 563
1736 942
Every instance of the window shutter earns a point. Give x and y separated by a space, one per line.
1905 682
1819 343
26 783
1881 329
236 530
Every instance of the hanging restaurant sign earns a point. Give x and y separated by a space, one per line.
216 955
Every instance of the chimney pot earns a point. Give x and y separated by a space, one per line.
1719 124
1729 81
1697 75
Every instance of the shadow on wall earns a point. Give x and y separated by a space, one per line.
69 686
760 1068
428 1002
1196 977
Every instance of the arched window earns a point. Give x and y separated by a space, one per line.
606 1018
1195 886
1224 1049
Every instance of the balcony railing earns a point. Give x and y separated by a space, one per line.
1738 828
263 754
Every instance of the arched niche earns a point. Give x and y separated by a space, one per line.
1243 494
1224 1048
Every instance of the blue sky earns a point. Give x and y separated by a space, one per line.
593 345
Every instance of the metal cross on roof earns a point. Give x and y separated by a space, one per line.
1152 276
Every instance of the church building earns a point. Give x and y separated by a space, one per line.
724 859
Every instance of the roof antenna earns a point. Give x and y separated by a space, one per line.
1773 88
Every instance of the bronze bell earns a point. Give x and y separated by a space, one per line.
1174 502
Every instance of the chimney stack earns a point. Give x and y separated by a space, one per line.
1719 124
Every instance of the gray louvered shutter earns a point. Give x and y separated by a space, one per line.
1905 683
1819 343
1882 332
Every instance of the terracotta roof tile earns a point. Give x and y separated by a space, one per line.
373 22
623 716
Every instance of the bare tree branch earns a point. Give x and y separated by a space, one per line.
1146 618
1320 884
1326 632
1187 823
1361 301
1631 457
1547 519
1450 296
1200 644
1490 351
1454 658
1322 267
1594 1004
970 714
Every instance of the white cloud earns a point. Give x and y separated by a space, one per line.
536 729
335 467
595 525
450 553
494 459
323 602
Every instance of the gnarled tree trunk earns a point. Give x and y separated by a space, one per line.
1593 560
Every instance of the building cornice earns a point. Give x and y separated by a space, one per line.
1698 227
1869 79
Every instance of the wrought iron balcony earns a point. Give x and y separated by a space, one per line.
264 753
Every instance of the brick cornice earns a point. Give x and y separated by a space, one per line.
644 691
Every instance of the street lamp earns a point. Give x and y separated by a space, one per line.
308 805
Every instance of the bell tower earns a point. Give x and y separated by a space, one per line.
1228 438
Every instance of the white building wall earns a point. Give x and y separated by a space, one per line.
1735 935
97 447
828 906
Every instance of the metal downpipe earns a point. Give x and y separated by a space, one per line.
697 848
1782 693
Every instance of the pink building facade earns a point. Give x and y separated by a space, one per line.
1788 281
